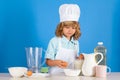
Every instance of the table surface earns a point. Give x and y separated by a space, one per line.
111 76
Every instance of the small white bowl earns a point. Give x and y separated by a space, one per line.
17 71
72 72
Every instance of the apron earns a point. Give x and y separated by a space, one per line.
64 54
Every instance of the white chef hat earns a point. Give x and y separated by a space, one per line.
69 12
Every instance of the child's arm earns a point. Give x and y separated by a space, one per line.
59 63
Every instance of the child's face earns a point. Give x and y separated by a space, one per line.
68 31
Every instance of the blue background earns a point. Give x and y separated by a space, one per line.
25 23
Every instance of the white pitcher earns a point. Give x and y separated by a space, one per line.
88 67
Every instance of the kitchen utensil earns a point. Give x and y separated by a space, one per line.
78 63
88 67
17 71
101 70
34 58
72 72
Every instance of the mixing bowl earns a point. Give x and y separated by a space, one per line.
72 72
17 71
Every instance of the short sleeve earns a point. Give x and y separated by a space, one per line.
52 49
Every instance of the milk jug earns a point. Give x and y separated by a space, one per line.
88 67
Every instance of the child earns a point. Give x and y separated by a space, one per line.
64 47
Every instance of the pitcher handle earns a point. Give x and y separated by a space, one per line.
101 57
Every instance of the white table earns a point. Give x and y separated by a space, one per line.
111 76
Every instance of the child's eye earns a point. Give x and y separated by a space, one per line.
73 27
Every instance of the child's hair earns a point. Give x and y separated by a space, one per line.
59 29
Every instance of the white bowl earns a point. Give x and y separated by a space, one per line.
17 71
72 72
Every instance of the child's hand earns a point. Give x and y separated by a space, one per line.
81 56
64 64
61 64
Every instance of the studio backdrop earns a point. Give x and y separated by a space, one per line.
32 23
